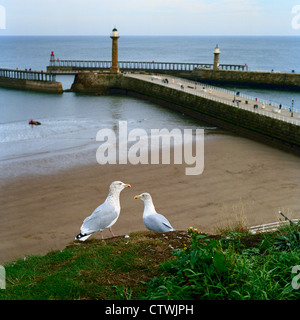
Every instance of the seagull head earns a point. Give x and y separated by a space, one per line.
118 186
148 203
144 196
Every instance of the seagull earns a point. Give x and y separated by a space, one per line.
153 220
106 215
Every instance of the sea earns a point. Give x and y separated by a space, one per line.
70 122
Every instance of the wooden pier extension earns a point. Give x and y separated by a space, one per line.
73 66
30 80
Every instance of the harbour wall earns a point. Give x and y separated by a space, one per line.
265 129
23 84
239 78
259 79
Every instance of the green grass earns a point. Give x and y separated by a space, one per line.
178 265
224 268
94 269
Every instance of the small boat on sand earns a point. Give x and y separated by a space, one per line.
34 123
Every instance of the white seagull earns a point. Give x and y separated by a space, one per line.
106 215
153 220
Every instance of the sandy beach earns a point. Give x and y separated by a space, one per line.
242 181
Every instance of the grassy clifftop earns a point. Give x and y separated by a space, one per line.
176 265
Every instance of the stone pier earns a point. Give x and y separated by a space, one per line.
210 105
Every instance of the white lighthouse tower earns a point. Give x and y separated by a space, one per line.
115 37
216 57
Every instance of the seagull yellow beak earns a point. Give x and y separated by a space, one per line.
127 186
137 197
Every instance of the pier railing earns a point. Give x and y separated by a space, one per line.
141 65
27 75
238 95
191 88
269 227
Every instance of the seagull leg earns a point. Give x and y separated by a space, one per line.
111 232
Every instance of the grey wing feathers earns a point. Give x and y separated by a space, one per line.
100 219
168 225
158 223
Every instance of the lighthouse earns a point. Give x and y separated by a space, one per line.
216 57
52 59
115 37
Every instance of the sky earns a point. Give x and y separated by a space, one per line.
150 17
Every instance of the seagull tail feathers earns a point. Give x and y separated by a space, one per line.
82 237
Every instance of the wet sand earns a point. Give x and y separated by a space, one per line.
242 181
